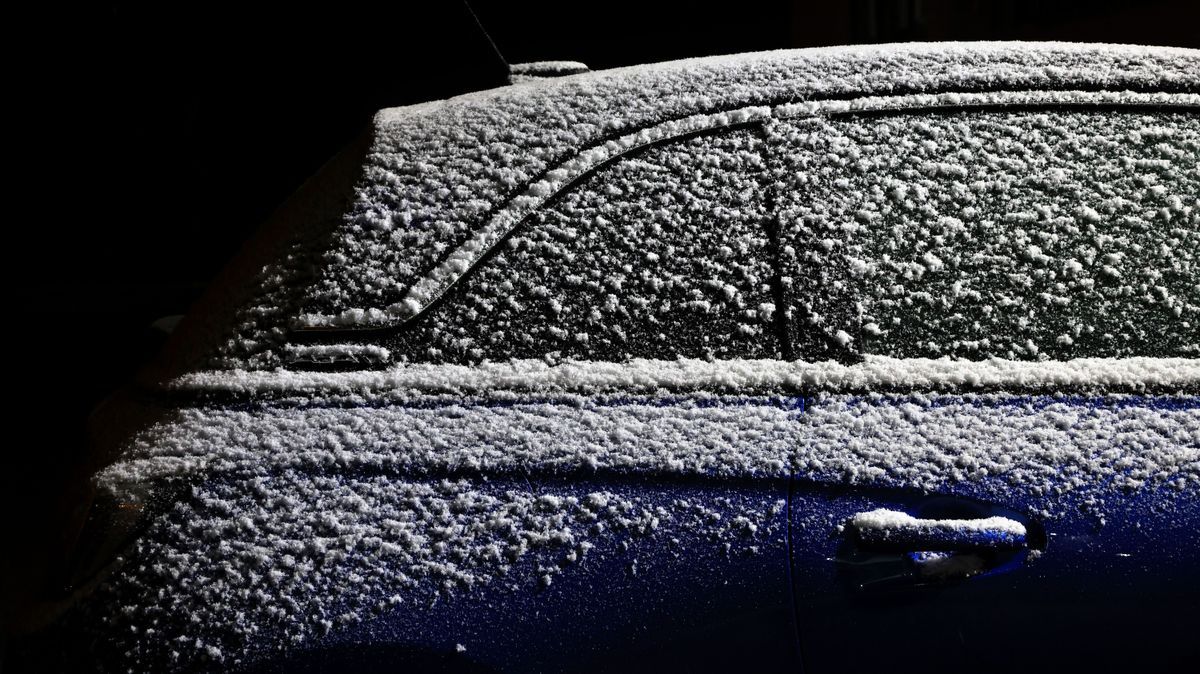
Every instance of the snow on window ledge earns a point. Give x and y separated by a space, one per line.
644 375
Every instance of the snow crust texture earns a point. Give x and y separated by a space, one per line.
1023 234
434 175
537 70
1029 234
883 526
639 375
1047 446
1038 442
659 255
288 520
439 173
716 437
253 563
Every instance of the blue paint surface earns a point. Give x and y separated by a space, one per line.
1113 580
1110 578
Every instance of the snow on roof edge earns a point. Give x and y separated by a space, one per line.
395 113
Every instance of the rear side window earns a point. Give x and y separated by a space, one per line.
1024 234
662 254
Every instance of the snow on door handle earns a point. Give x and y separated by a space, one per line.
884 529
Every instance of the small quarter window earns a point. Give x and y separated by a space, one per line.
662 254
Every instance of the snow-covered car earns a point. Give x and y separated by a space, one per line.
860 359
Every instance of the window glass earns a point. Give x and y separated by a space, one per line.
659 255
1024 234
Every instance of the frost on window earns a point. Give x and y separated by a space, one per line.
662 254
1027 234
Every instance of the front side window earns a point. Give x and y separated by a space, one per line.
1022 234
662 254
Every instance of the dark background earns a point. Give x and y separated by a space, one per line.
167 131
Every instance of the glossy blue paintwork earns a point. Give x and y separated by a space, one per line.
1124 591
674 601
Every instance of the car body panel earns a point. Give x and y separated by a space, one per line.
1109 581
678 597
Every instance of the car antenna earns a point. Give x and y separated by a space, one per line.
523 72
492 42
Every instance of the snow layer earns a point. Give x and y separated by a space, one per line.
363 354
522 132
661 255
1033 234
538 70
1053 442
970 234
1041 445
253 563
683 374
439 172
534 67
432 285
727 437
883 526
286 520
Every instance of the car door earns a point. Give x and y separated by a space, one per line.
659 255
964 511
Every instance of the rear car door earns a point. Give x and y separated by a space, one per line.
671 549
1053 508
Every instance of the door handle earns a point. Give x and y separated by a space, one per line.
884 529
889 549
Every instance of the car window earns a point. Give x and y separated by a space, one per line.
1022 234
664 253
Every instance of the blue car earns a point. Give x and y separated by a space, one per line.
855 359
